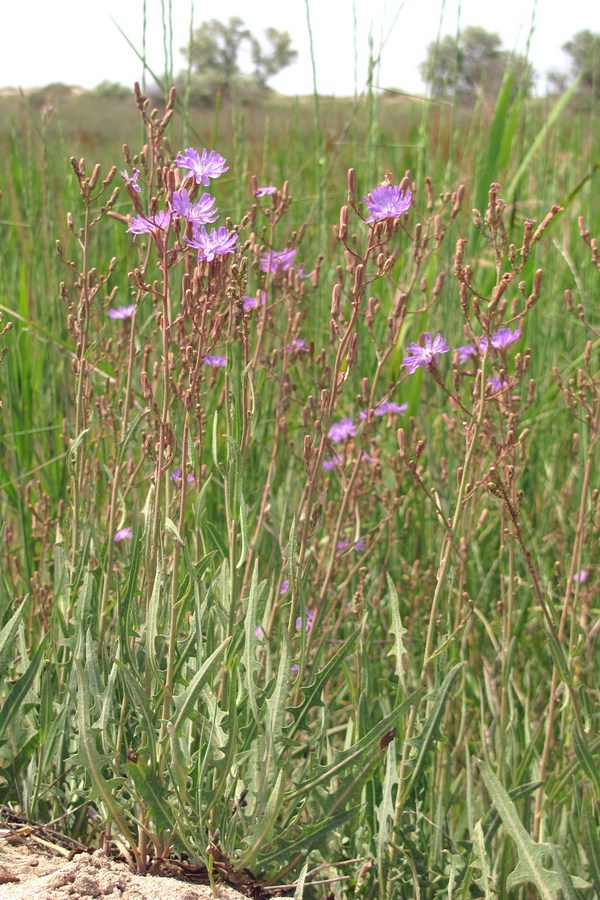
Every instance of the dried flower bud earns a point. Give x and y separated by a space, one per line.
343 227
351 186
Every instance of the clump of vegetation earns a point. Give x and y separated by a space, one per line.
299 472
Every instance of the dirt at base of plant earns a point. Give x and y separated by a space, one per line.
29 873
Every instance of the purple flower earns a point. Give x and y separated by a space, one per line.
202 168
197 213
387 202
294 668
176 476
131 180
309 620
496 384
330 464
385 407
150 224
359 546
264 191
503 338
284 586
277 261
298 345
259 631
424 356
215 361
215 243
124 534
122 312
464 353
342 430
581 577
253 302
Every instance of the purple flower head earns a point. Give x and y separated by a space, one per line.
503 338
199 213
259 631
151 224
386 407
122 312
284 586
123 534
342 430
309 620
265 191
464 353
424 356
294 668
215 243
176 476
298 345
131 180
330 464
277 261
202 168
253 302
344 544
581 577
215 361
387 202
496 384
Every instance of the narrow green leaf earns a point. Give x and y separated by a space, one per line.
591 842
480 862
386 809
185 702
586 760
530 868
430 732
260 834
355 753
250 640
299 892
397 629
93 763
7 638
152 793
541 137
312 692
21 688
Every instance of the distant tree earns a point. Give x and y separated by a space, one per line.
471 64
584 52
229 59
113 90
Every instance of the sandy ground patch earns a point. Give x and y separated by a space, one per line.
28 872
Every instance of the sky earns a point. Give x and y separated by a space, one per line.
78 42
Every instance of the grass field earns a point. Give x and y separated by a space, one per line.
351 654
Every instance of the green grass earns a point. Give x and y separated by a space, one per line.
415 748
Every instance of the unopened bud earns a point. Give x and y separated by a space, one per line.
343 228
351 186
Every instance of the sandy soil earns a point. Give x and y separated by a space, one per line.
28 871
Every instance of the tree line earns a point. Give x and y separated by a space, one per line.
228 60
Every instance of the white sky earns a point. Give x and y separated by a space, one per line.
77 41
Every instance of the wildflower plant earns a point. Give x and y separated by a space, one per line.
291 609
